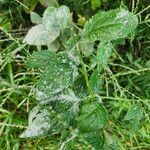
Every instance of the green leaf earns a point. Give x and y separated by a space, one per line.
38 35
103 54
43 58
93 117
112 142
96 82
134 115
80 88
56 78
35 18
59 71
94 139
67 109
134 126
134 112
111 25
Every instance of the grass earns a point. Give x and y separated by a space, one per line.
126 82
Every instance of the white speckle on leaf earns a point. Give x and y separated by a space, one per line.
122 14
40 94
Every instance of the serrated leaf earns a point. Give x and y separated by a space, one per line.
59 71
41 59
134 115
93 117
35 18
112 142
38 35
111 25
96 82
134 126
103 54
67 110
134 112
94 139
57 78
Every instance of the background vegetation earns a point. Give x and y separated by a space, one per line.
129 75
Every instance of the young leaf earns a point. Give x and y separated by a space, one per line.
93 117
71 48
111 25
35 18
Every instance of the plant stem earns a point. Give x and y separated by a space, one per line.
84 71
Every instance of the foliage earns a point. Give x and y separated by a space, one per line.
59 71
89 75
